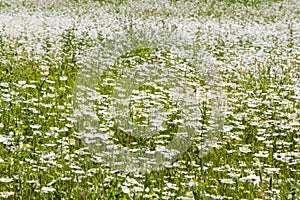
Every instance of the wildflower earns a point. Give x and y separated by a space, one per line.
48 157
34 182
47 189
192 183
262 154
132 181
272 170
256 163
63 78
71 142
227 181
251 178
6 180
279 156
65 178
51 183
6 194
172 186
185 198
249 171
245 149
125 189
92 170
234 175
296 154
4 139
4 84
6 98
137 189
35 126
21 83
242 164
227 128
241 126
79 172
148 196
292 116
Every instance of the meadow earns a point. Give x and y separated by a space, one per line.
139 65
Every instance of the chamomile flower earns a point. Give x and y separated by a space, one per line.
227 181
63 78
6 194
47 189
6 180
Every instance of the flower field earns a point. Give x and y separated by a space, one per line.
170 99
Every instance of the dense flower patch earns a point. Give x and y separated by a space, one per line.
253 47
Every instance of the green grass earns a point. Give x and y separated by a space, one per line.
256 155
